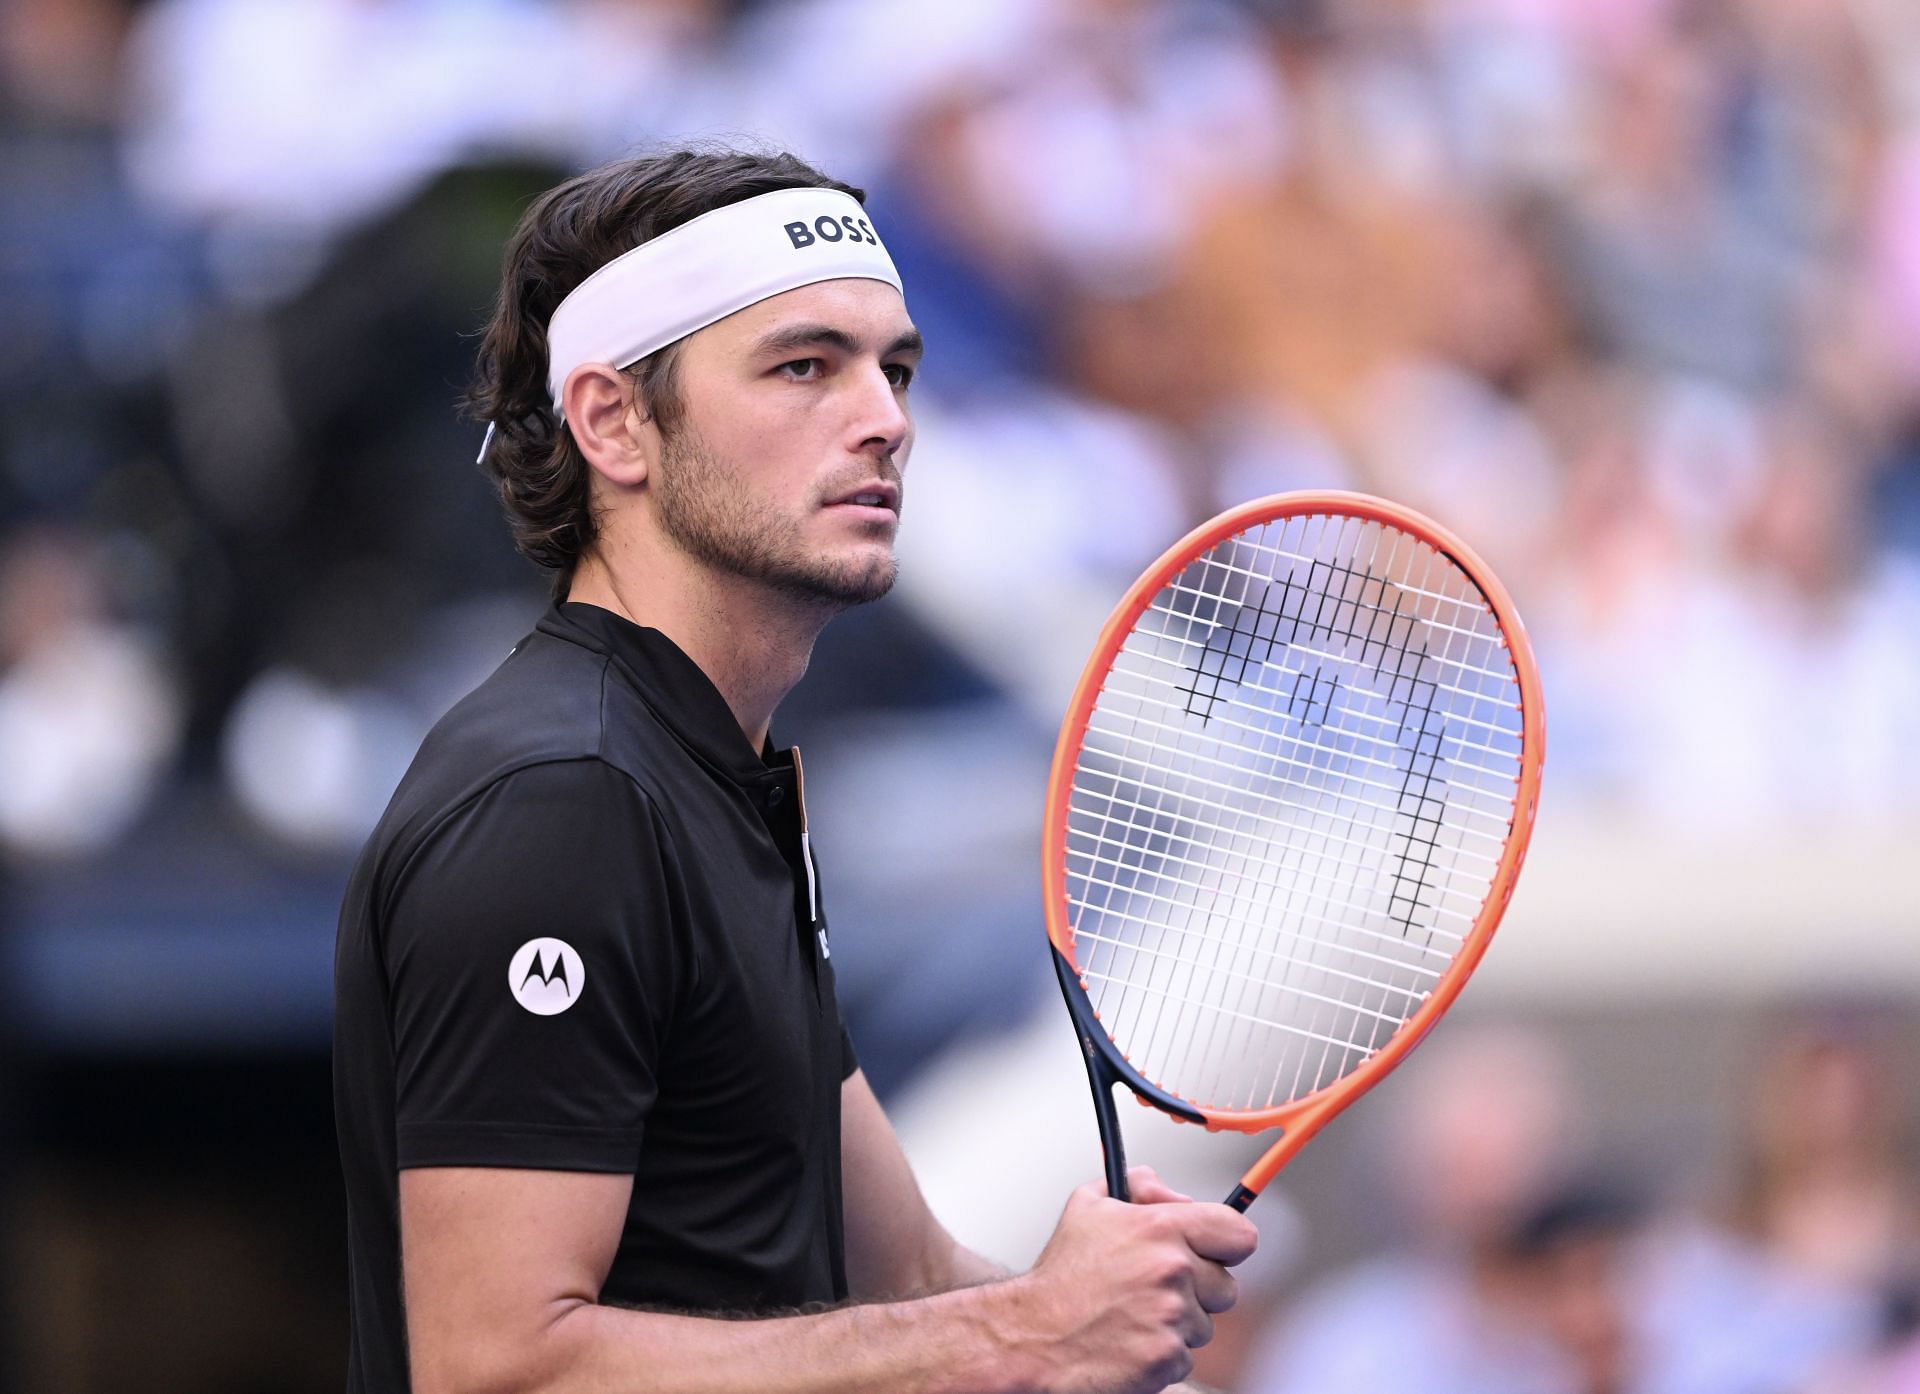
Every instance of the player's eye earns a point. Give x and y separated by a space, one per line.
899 374
803 369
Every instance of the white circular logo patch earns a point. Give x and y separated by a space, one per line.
546 976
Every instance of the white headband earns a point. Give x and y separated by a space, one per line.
705 270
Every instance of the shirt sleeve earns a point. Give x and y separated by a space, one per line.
535 962
849 1062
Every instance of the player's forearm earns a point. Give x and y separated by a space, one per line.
967 1269
970 1341
917 1264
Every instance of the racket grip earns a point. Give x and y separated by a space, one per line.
1117 1167
1242 1198
1110 1142
1100 1075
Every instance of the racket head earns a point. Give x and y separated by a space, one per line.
1239 699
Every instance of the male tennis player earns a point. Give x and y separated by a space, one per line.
601 1124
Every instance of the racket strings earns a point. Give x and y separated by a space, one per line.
1289 806
1316 619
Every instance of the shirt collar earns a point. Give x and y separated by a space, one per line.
671 684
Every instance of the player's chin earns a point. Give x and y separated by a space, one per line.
870 577
861 547
851 575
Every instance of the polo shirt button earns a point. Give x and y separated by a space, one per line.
776 796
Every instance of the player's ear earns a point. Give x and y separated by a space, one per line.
612 428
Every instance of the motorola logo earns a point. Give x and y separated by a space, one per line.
546 976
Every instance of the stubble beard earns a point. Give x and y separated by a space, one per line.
707 510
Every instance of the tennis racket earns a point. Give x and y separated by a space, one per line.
1288 805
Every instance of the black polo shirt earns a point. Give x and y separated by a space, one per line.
585 936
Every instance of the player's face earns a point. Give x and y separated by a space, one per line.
786 466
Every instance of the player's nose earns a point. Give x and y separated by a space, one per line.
880 417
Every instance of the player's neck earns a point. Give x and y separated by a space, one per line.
753 646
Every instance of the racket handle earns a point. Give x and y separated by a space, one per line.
1103 1112
1242 1198
1101 1076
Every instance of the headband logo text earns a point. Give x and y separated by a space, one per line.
829 229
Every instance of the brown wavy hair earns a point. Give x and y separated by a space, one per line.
566 235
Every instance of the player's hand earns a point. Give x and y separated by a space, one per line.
1124 1293
1146 1188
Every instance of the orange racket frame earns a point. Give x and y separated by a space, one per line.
1299 1119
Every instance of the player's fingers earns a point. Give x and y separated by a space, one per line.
1219 1232
1214 1288
1087 1193
1196 1328
1146 1187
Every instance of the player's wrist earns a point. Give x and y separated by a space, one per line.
1016 1344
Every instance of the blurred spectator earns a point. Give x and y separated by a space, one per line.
1823 1185
89 716
313 116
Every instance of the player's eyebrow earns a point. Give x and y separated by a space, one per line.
909 344
799 336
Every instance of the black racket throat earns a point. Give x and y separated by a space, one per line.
1106 1067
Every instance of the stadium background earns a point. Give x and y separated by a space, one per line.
1627 292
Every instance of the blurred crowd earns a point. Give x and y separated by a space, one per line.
1524 1268
1625 292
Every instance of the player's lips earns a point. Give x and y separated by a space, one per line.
875 493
